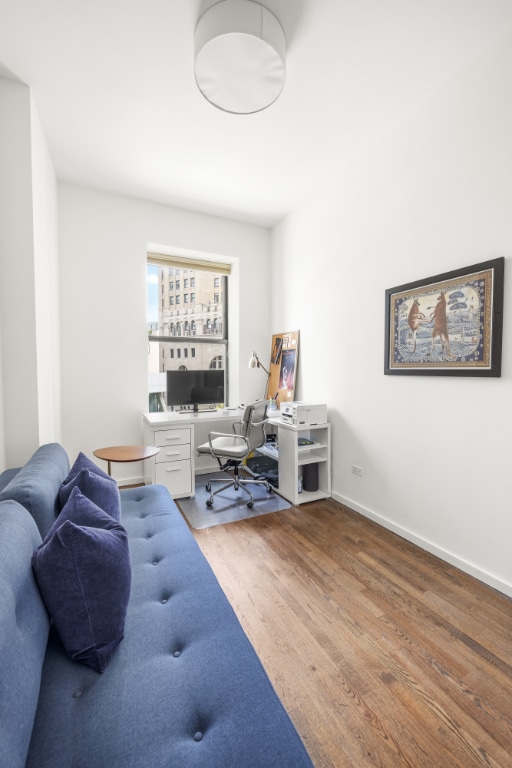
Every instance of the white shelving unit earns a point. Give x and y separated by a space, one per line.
292 458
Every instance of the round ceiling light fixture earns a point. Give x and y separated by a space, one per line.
240 51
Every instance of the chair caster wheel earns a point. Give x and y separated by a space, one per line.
209 503
250 504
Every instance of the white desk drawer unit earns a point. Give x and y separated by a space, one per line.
173 453
178 435
175 475
172 466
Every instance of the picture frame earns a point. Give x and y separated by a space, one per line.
284 358
447 325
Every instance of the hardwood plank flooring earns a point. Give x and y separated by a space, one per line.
382 654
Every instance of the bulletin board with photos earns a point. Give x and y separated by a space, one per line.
284 358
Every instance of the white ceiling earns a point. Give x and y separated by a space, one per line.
113 81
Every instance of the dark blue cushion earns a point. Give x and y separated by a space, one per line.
83 462
36 485
84 573
99 488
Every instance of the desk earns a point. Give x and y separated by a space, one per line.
178 435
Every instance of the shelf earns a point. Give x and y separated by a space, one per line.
292 458
311 459
309 447
273 453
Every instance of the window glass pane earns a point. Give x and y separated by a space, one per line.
173 321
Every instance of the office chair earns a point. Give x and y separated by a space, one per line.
231 449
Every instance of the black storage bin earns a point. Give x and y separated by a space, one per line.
310 477
264 467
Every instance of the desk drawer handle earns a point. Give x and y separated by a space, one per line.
173 453
173 469
176 437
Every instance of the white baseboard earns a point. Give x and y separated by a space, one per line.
428 546
124 481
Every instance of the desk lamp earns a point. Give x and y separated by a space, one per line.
255 362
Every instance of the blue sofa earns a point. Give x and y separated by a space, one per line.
184 688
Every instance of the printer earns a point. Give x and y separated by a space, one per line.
300 414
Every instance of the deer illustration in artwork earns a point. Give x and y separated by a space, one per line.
415 318
440 324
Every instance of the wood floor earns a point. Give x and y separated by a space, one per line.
382 654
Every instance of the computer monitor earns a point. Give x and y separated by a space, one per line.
186 388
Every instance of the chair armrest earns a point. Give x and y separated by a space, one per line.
258 423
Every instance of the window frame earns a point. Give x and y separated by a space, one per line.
222 272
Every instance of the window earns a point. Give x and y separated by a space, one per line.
171 285
206 317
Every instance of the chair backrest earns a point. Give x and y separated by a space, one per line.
253 423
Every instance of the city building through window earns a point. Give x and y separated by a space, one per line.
173 321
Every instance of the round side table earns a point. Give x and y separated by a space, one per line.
125 453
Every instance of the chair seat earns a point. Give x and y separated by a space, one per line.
230 447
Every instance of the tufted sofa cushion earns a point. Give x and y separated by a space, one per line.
184 688
37 484
24 627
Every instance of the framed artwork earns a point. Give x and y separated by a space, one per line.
447 325
284 356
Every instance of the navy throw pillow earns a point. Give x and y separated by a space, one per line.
83 571
83 462
99 488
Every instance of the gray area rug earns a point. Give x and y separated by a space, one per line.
228 506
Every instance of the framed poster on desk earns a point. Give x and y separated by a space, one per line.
284 358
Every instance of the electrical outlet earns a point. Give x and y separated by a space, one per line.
357 470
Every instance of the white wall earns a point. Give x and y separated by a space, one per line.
434 196
46 280
17 288
29 391
3 463
103 244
